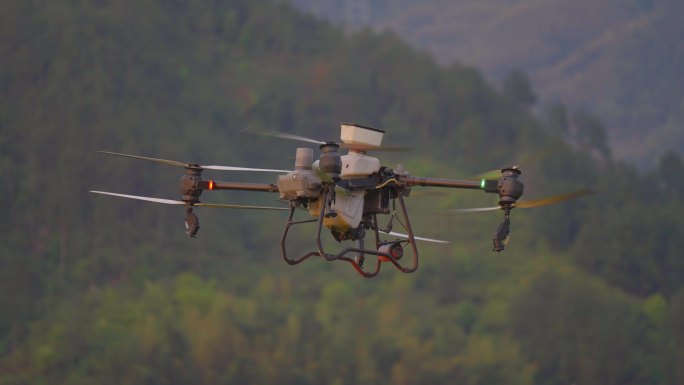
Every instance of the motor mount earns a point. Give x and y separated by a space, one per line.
302 182
189 184
510 188
330 160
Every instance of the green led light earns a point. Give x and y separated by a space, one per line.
482 184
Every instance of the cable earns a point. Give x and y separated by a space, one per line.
387 182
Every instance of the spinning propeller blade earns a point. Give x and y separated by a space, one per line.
181 164
156 200
284 135
231 168
181 203
400 235
164 161
532 203
491 174
553 199
529 158
474 210
350 146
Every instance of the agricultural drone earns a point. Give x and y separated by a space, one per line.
345 194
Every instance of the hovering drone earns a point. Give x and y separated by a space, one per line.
345 194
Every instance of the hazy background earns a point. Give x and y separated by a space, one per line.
620 59
99 290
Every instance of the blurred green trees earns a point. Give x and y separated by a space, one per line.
102 291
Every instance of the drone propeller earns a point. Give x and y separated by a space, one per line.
532 203
475 210
492 174
400 235
181 203
349 146
529 158
284 135
193 165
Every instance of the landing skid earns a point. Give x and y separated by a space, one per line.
361 252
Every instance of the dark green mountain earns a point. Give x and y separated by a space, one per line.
97 290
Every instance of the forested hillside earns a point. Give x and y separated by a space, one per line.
97 290
619 58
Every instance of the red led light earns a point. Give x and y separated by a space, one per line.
211 185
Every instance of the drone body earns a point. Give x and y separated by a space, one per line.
345 194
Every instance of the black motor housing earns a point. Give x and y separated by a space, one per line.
189 184
510 187
330 161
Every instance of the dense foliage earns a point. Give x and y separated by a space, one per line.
98 290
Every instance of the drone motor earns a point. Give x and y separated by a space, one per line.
189 184
509 187
330 161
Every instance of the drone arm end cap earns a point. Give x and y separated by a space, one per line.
489 185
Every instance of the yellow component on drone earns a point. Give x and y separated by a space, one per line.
337 223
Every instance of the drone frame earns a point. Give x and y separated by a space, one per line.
340 256
388 184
